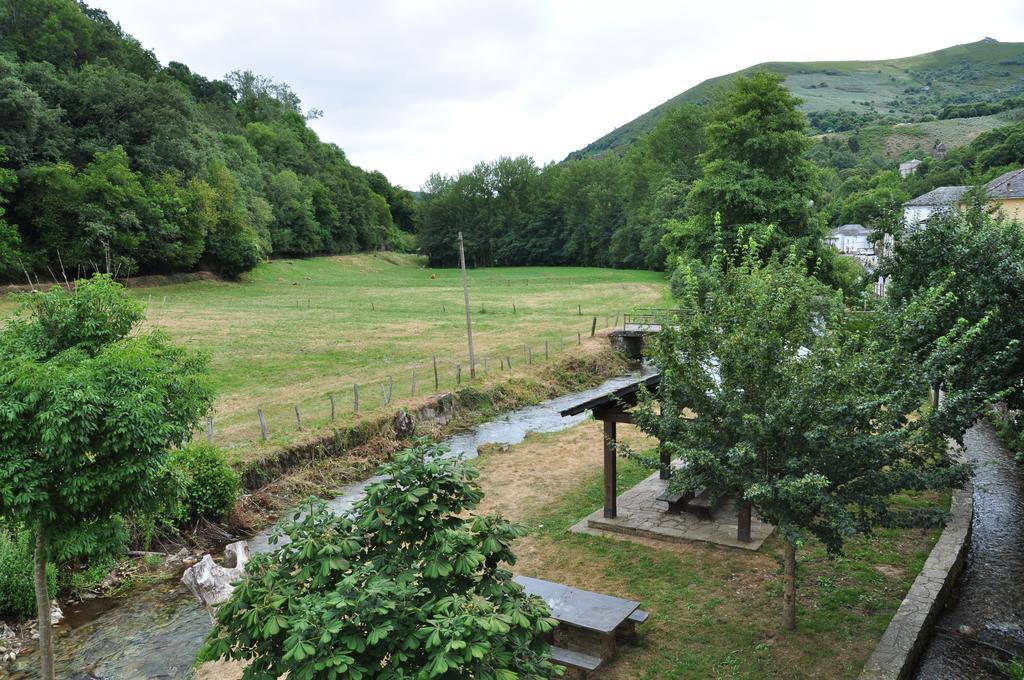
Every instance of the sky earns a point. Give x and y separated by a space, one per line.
411 88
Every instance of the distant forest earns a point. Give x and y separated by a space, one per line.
112 160
615 210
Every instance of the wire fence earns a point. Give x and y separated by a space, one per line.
347 402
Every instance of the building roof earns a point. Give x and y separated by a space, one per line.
850 230
1010 185
627 396
912 163
943 196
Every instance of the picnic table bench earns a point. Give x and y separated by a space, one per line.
589 623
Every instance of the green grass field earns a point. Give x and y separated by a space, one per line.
295 331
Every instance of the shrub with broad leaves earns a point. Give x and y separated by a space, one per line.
409 584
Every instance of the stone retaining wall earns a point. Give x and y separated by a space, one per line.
908 632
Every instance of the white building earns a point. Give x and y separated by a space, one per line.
854 240
918 210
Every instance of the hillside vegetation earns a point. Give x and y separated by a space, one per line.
111 160
839 95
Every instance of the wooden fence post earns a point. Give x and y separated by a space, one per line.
529 355
209 429
373 308
514 308
444 309
383 396
616 321
436 383
458 374
414 382
593 327
263 424
331 398
355 392
298 417
508 360
579 310
579 338
545 350
391 386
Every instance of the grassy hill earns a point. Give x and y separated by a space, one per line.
890 90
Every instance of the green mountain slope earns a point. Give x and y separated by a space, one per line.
891 90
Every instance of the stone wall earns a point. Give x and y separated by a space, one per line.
908 632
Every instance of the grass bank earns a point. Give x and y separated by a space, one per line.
295 331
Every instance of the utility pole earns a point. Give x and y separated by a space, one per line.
465 295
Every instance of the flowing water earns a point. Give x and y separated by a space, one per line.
981 628
156 632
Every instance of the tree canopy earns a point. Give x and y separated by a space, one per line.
149 168
767 396
89 410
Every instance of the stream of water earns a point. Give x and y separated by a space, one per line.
156 631
981 628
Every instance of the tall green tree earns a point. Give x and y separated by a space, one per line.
766 396
89 410
410 584
755 176
956 308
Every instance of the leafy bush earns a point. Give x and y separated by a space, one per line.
17 576
209 486
409 585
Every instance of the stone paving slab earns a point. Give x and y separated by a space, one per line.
641 514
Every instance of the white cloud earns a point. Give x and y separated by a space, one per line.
410 88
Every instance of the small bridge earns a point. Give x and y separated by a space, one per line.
642 322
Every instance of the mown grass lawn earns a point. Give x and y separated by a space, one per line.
715 611
294 331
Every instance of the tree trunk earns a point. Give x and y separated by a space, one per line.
789 586
43 608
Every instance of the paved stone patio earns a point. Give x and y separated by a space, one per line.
641 514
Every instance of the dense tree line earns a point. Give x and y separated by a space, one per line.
606 211
705 179
112 160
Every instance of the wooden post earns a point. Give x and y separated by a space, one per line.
458 374
545 350
298 417
373 308
664 473
436 382
616 321
465 295
355 403
209 429
414 382
743 523
485 364
593 327
391 386
609 469
579 310
529 355
263 424
508 360
443 308
514 308
330 397
579 338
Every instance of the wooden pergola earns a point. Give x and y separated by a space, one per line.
613 408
